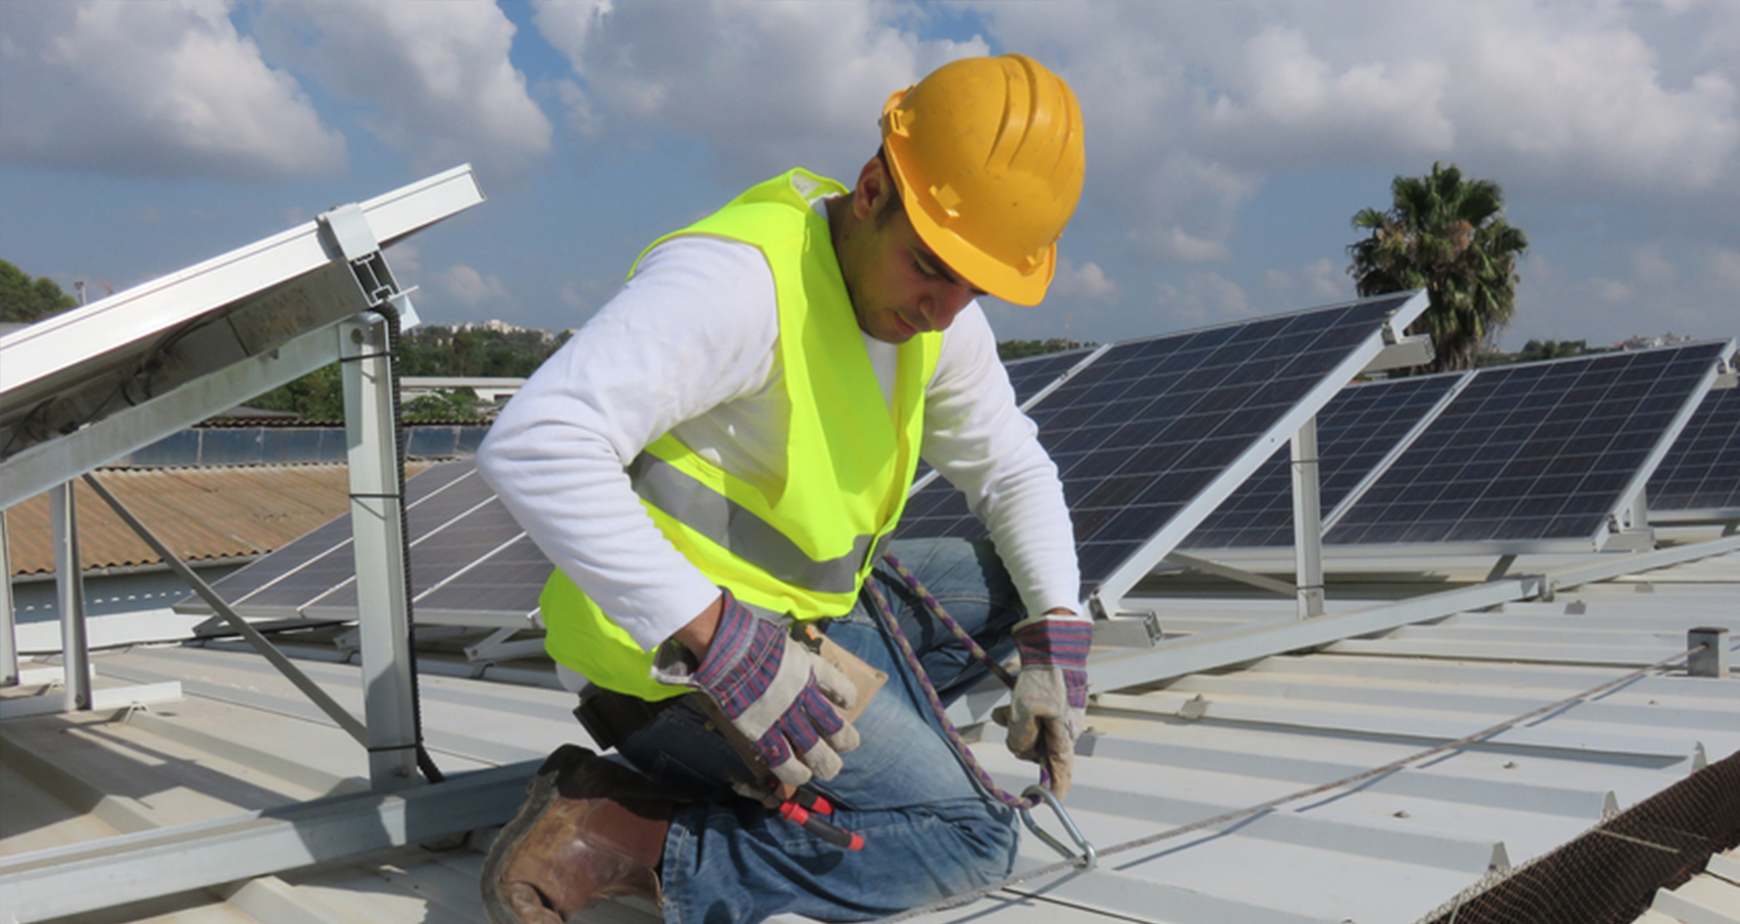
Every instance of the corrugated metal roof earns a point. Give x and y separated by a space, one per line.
201 513
1389 849
1710 896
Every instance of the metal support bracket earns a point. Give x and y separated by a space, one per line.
347 230
1307 521
1711 657
378 527
1233 574
1402 352
496 647
69 582
1128 630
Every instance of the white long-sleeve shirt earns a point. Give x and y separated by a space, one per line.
688 346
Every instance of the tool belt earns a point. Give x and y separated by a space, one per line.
611 717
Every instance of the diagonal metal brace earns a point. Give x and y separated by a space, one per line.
261 644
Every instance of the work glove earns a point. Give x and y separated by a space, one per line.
1049 706
778 693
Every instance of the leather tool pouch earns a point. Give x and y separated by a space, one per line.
868 680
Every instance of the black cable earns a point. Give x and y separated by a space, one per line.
425 763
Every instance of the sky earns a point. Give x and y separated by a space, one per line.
1228 143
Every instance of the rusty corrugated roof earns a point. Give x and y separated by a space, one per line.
201 513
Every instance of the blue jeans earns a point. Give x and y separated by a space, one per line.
929 831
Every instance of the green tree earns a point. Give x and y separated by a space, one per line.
24 300
1020 349
442 404
1448 236
317 396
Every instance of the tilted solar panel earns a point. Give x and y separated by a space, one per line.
1150 426
1537 453
1355 431
309 569
1029 376
1701 471
1172 415
504 582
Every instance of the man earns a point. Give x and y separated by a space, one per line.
723 450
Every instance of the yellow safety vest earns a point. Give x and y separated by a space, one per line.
802 547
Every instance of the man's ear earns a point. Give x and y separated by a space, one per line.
874 186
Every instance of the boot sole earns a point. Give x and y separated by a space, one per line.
538 797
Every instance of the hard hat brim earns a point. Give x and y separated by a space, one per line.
982 270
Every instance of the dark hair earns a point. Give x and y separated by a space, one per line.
895 205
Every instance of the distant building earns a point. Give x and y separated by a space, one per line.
502 327
1646 343
491 391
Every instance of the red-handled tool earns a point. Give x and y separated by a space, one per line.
804 809
808 820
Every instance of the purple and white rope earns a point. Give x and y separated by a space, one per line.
936 705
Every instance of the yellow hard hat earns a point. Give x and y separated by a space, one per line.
987 154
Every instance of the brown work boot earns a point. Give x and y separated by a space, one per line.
590 829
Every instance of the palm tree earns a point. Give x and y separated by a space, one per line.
1448 236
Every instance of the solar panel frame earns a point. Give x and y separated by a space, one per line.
1489 501
1121 530
1699 478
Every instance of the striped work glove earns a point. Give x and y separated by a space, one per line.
1049 707
777 692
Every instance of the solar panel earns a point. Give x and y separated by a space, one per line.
1029 376
1182 410
1701 472
503 584
300 573
1528 455
456 528
1151 433
1362 425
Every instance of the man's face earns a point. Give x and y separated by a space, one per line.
900 288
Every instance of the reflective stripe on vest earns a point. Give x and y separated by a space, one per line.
749 537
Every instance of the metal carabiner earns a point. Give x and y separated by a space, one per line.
1089 856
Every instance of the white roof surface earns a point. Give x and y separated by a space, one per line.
1389 850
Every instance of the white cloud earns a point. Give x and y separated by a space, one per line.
1203 299
152 89
1649 266
406 262
1609 290
1320 108
470 287
1725 266
436 77
765 85
571 297
1567 100
1584 96
1087 282
1328 279
1178 246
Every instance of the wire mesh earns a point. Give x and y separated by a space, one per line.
1610 873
